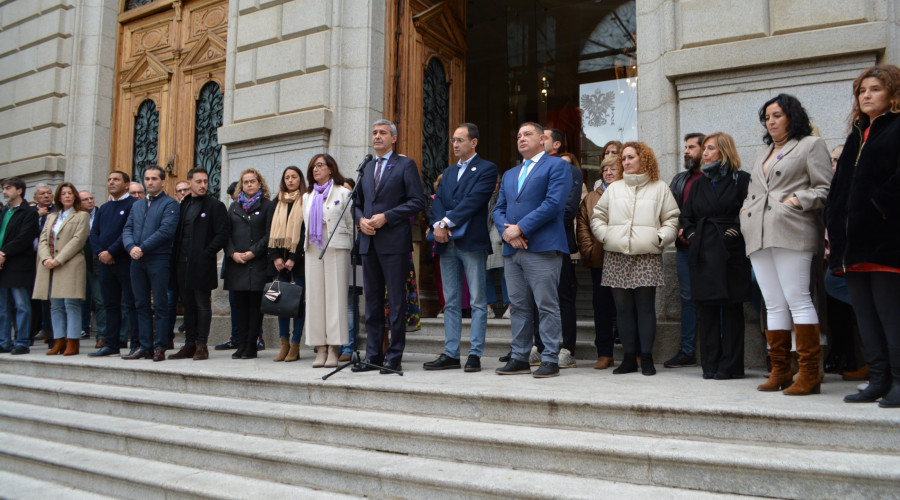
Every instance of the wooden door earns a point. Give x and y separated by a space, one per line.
170 64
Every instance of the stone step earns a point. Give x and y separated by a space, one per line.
372 473
19 487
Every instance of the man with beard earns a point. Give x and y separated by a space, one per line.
681 188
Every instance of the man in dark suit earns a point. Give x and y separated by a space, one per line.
202 231
460 205
529 214
390 193
18 229
40 309
148 236
92 289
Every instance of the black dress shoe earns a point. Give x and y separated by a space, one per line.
505 358
360 367
4 350
514 367
392 365
139 353
226 346
20 350
473 363
546 370
443 362
708 376
104 351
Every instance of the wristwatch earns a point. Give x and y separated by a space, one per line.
442 225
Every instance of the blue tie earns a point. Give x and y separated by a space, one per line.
523 173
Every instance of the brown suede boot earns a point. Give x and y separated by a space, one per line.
285 347
293 354
320 357
604 362
780 354
59 345
201 353
72 346
186 352
809 350
332 360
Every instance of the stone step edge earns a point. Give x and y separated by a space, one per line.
19 487
390 473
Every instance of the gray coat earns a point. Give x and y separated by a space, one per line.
804 171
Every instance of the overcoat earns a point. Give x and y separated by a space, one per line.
197 243
249 232
68 249
18 245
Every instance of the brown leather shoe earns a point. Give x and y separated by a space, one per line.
100 343
860 374
159 354
185 352
604 362
201 353
344 357
138 354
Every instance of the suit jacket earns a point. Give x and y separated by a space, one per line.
70 277
572 202
338 196
803 170
466 200
538 209
18 245
197 243
109 224
153 229
399 196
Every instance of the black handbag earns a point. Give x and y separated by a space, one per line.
282 298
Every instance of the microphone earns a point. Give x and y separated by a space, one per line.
362 165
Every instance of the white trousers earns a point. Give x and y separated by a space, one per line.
326 296
783 277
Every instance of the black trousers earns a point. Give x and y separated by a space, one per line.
380 270
721 332
249 319
604 314
876 300
197 315
636 318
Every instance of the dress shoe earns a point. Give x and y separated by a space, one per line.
345 357
104 351
505 358
708 376
139 353
360 367
860 374
186 351
20 350
628 365
647 367
226 346
391 365
473 363
4 350
604 362
260 345
201 353
159 354
100 343
546 370
443 362
514 367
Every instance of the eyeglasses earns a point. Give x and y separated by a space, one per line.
183 190
320 165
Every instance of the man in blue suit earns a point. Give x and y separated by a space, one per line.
148 236
460 207
389 194
529 215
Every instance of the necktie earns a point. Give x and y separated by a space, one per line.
462 170
378 172
523 173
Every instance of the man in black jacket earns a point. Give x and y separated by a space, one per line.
202 231
18 229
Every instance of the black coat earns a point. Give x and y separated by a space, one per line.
720 270
249 232
197 243
18 245
297 255
862 213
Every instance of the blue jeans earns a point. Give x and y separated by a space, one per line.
489 284
284 324
454 263
66 317
147 276
836 286
688 307
350 346
15 301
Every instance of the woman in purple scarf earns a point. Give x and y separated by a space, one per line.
326 279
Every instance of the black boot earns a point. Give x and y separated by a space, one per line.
892 398
629 364
879 385
647 367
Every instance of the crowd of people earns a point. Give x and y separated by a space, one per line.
799 221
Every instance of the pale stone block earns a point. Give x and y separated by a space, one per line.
61 23
318 51
88 50
799 15
255 102
305 92
47 141
709 21
305 16
16 12
5 147
18 63
354 82
355 47
257 130
281 59
56 52
257 28
268 3
9 40
244 64
246 5
355 14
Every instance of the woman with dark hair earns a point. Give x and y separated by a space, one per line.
720 271
863 219
634 220
246 262
286 253
327 278
780 223
62 274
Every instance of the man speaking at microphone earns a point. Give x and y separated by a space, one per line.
390 192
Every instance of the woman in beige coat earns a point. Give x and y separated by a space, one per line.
634 220
780 222
61 273
326 279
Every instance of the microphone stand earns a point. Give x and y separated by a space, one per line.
354 258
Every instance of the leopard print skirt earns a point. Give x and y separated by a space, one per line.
632 271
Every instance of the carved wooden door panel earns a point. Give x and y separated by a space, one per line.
170 70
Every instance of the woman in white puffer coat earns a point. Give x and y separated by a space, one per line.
635 219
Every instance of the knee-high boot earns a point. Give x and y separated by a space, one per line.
780 354
809 350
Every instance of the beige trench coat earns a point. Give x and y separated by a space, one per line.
69 278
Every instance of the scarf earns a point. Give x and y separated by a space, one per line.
316 214
245 203
715 171
286 222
